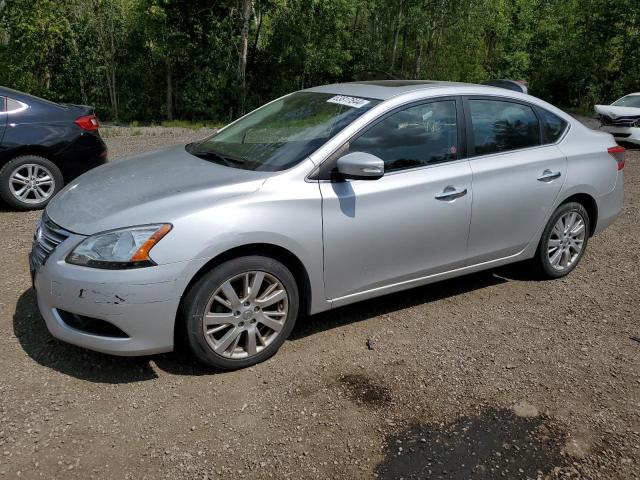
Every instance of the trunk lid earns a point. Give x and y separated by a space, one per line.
79 109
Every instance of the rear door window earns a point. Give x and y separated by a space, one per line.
2 104
500 126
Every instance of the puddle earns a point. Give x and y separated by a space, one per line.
495 444
364 390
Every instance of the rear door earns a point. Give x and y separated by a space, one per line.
516 176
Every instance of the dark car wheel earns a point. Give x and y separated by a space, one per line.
241 312
29 182
563 241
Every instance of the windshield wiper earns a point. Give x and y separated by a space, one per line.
210 155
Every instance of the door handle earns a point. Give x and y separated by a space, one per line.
451 193
548 176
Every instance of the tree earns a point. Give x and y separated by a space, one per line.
247 7
151 60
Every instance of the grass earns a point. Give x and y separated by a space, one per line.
190 125
136 128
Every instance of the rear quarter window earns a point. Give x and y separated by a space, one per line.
552 125
14 106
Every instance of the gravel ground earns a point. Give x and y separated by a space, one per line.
123 141
493 375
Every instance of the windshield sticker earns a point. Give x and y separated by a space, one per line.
354 102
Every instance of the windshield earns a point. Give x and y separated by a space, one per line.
282 133
628 101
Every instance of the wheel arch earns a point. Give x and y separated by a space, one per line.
281 254
590 205
24 150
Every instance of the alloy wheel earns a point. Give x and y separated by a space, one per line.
566 241
245 314
32 183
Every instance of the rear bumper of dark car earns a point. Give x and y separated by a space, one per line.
88 151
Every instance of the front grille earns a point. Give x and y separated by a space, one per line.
47 237
618 122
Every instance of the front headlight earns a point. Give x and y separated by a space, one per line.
117 249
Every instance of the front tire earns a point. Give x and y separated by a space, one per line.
241 312
563 241
29 182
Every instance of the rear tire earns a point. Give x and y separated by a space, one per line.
241 312
29 182
563 242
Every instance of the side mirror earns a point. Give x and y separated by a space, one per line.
361 166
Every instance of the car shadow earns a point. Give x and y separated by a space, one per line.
386 304
629 145
30 330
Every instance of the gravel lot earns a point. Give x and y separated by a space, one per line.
494 375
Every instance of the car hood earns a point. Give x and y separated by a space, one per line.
616 112
154 187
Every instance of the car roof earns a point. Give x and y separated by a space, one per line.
385 89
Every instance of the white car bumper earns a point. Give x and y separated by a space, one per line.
120 312
623 134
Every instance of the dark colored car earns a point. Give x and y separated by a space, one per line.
44 145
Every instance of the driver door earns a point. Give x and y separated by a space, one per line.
380 235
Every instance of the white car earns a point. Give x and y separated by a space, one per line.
622 118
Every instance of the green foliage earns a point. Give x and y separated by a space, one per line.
155 60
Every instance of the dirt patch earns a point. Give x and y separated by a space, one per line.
496 443
364 390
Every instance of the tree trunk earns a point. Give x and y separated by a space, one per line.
169 91
355 24
79 69
402 52
113 93
254 48
396 33
244 45
47 78
419 54
111 69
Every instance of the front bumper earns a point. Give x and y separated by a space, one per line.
623 134
142 302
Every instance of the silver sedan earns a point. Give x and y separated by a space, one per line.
321 198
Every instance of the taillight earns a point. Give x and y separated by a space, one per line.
88 122
617 152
